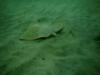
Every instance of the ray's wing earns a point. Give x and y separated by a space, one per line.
30 33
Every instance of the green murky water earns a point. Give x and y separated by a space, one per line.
72 52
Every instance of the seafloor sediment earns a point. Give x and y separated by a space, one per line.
73 51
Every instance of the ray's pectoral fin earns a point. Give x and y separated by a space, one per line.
59 31
54 34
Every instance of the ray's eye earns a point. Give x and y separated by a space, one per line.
43 19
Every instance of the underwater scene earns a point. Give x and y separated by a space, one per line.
49 37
